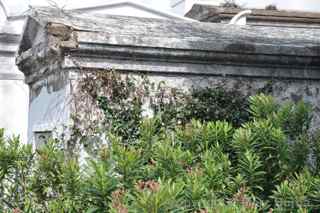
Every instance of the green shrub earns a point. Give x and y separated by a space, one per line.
128 163
170 160
262 106
315 150
216 169
294 119
300 192
15 169
157 197
270 161
198 137
99 182
250 167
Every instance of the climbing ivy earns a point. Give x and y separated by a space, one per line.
121 99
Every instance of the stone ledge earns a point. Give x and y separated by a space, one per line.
155 45
164 68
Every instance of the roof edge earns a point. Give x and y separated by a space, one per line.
201 12
137 5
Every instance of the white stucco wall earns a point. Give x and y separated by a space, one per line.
48 111
14 93
127 10
14 97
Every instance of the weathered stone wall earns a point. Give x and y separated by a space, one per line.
54 99
57 47
283 90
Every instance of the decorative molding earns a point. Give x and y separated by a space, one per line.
166 46
11 76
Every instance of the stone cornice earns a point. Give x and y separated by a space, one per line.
239 57
152 45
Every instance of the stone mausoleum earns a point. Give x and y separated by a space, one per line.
57 44
14 93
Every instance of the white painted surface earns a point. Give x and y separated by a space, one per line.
14 97
240 18
48 112
127 10
14 26
178 6
130 8
14 93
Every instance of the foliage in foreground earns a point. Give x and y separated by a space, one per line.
270 162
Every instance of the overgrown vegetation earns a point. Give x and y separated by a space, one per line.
202 166
260 157
120 99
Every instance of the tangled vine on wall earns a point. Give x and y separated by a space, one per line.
116 102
